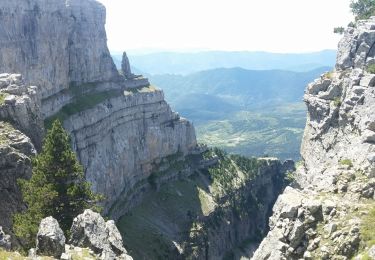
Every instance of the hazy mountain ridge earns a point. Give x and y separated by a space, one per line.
186 63
244 111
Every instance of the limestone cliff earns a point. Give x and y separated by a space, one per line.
326 214
121 127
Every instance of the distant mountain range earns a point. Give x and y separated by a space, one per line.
186 63
234 88
245 102
243 111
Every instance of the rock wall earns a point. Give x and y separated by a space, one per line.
60 47
120 141
55 43
322 216
16 151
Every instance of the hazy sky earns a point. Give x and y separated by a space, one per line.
254 25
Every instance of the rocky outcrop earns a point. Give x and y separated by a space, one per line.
322 216
90 230
125 67
50 240
16 150
340 123
5 242
20 105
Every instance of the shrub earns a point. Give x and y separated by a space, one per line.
347 162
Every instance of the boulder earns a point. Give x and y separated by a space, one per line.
371 252
50 238
4 240
90 230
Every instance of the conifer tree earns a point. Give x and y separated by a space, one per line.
363 9
57 187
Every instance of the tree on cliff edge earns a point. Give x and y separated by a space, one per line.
363 9
57 187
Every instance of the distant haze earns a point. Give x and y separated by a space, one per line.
289 26
186 63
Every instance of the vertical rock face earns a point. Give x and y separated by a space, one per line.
121 140
60 47
320 220
54 43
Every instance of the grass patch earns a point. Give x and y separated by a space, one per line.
347 162
2 98
81 103
143 89
4 255
368 228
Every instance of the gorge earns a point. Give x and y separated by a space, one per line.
171 197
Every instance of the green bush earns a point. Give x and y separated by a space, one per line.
57 188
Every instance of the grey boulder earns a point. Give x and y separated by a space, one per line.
50 238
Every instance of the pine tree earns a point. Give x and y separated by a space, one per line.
57 187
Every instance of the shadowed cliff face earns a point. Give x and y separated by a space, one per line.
204 213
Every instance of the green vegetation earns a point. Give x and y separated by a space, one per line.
81 103
2 98
363 9
276 131
347 162
187 209
371 69
368 228
243 112
57 187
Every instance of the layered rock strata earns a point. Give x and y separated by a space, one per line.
118 135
